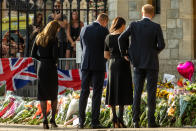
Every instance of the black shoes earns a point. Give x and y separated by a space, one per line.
53 123
97 126
45 124
81 126
136 125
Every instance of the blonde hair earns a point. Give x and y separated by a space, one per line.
48 33
148 9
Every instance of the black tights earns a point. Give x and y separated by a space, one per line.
120 114
44 108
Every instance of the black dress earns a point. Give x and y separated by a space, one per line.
47 71
74 33
119 87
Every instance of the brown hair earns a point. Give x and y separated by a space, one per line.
117 24
103 17
40 23
148 9
48 33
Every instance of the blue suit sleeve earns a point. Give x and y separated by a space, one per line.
160 40
123 40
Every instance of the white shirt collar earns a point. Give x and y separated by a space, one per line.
97 22
146 17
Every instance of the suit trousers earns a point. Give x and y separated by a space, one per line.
96 78
139 79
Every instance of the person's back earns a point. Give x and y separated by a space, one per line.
46 45
113 47
92 40
143 49
46 52
146 43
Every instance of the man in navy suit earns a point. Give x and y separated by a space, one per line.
93 64
146 43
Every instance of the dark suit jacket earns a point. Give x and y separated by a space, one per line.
145 45
92 39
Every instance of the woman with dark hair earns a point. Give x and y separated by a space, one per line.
46 44
119 88
73 32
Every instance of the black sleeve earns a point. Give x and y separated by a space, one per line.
106 43
160 40
107 31
55 51
21 40
34 51
64 17
50 18
123 40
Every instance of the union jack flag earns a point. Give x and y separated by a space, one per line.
71 79
15 73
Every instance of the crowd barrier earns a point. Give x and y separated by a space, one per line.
30 90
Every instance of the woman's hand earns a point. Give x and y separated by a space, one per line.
106 54
73 43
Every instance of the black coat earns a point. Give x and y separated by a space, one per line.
92 38
47 71
145 45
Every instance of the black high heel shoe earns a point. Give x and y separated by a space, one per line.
45 124
53 123
121 123
115 123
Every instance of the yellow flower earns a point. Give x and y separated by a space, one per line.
103 110
171 111
104 92
169 94
76 96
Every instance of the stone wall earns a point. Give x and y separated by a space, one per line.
177 25
176 19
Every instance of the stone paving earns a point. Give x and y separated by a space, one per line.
19 127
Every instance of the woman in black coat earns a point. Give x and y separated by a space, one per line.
46 45
119 88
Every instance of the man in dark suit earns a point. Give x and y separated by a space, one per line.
92 39
146 44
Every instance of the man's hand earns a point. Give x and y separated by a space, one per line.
57 16
36 30
126 58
